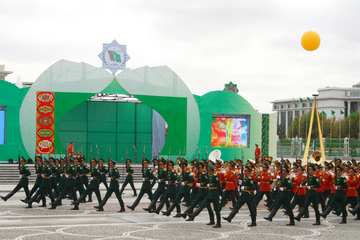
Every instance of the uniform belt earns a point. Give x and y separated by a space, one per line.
84 175
24 176
171 183
229 182
114 179
301 187
313 188
213 188
39 174
265 182
351 187
129 174
203 187
71 177
46 177
246 191
79 175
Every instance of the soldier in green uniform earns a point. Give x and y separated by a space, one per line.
69 183
23 183
170 192
38 170
245 197
114 187
92 187
185 179
212 196
78 180
313 183
103 171
62 174
84 177
202 181
146 186
160 191
129 178
58 177
55 173
45 187
283 196
339 196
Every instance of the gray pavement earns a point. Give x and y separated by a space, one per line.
16 222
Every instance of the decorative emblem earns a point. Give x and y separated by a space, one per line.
231 87
114 56
45 144
45 132
45 121
45 109
45 97
316 156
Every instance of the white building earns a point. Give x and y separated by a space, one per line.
330 99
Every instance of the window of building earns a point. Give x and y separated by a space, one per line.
311 104
295 105
282 106
304 105
2 125
288 105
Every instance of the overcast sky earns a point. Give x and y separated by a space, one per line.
254 44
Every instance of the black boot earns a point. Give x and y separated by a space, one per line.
187 211
33 198
122 207
135 194
218 221
152 206
301 213
55 203
355 210
90 197
169 210
231 216
76 207
157 210
81 198
101 205
132 207
317 217
291 216
43 199
253 220
194 214
343 221
8 196
211 216
38 199
272 214
327 211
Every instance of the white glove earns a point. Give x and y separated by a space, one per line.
143 179
293 176
278 177
91 178
281 189
183 183
242 188
332 174
192 174
336 187
156 167
176 182
159 180
61 174
272 174
42 175
301 185
179 174
20 176
223 172
51 175
166 182
346 176
34 171
305 174
109 179
208 185
126 174
308 187
275 189
67 176
198 184
240 182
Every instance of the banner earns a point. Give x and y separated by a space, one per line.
45 122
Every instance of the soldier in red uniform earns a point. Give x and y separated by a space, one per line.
257 152
327 181
230 177
71 150
352 194
265 188
320 189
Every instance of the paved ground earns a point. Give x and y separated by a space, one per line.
16 222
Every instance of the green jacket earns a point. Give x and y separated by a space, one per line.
148 175
171 179
71 173
95 174
129 171
287 186
313 184
46 174
24 172
214 183
79 172
114 175
341 184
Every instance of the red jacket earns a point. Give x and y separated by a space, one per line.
264 180
352 183
230 177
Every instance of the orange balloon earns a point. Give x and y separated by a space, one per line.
310 41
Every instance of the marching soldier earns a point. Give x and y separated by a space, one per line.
339 196
92 187
129 178
245 197
265 186
78 180
38 170
312 196
283 197
229 190
84 177
212 196
23 183
114 187
146 186
103 171
55 173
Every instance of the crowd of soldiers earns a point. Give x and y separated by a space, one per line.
333 185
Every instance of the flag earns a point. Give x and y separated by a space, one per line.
309 99
352 113
341 112
301 100
324 113
332 112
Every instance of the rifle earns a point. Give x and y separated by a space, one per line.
125 165
42 164
142 162
35 161
242 170
167 165
307 171
97 150
184 153
66 161
109 160
207 165
281 172
90 161
19 156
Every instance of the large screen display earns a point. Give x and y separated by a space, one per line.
230 131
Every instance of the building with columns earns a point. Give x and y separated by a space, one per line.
3 73
330 99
